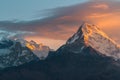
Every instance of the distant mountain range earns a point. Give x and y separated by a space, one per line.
88 55
19 51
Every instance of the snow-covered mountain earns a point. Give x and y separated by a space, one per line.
88 55
39 50
19 51
91 35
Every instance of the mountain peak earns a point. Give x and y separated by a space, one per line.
15 52
83 30
38 49
91 35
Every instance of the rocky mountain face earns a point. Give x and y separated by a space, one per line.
18 52
14 54
83 57
39 50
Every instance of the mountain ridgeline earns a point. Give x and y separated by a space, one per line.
88 55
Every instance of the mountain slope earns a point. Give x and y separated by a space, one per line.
91 35
14 54
65 66
18 52
39 50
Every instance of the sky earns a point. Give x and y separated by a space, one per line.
30 9
52 22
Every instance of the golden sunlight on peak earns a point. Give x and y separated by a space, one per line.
52 43
90 31
30 46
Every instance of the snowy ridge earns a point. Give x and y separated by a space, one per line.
13 54
39 50
17 52
97 39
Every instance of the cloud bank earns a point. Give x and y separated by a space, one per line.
64 21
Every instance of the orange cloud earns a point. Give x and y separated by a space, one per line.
99 15
100 6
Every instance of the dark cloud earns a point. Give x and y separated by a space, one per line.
64 21
14 34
